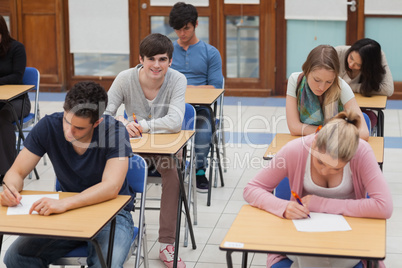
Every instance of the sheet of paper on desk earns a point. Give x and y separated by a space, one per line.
322 222
27 201
136 138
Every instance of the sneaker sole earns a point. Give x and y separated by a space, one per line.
202 191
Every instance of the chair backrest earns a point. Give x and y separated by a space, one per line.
137 178
32 77
283 189
368 122
189 118
137 173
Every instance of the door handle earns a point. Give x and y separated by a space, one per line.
352 5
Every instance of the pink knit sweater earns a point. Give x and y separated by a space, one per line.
290 162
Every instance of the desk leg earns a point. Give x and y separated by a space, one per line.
229 259
17 122
109 256
182 200
1 241
244 259
218 153
380 123
111 242
213 147
99 253
372 264
19 126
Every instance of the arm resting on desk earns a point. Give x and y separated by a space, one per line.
112 180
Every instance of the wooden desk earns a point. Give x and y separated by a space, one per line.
280 139
377 103
165 144
10 92
255 230
170 145
72 224
202 96
206 97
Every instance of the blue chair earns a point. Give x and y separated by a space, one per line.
31 77
137 179
283 191
368 122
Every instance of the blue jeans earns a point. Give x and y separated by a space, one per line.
203 136
28 251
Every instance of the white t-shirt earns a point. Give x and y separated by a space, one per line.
344 190
346 92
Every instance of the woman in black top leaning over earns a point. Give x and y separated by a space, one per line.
12 68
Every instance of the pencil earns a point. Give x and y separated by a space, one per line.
11 191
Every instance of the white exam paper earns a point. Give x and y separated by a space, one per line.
322 222
27 201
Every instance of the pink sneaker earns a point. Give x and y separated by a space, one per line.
167 256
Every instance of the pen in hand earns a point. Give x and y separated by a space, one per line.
135 120
10 191
298 200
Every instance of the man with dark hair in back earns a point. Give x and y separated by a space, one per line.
201 63
89 152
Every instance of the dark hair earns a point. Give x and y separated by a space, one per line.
182 14
86 99
6 39
155 44
372 71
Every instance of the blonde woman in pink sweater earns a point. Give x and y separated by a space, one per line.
332 171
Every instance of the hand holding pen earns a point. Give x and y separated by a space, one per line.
296 196
134 129
19 203
135 120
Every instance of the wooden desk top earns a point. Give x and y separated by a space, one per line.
168 144
260 231
280 139
202 96
9 92
376 102
78 224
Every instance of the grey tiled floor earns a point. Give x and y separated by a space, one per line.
214 221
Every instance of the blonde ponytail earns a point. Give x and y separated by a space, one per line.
340 136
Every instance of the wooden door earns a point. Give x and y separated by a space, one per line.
40 30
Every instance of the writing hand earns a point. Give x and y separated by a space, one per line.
296 211
10 197
134 129
46 206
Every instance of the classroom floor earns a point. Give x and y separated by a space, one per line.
249 124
